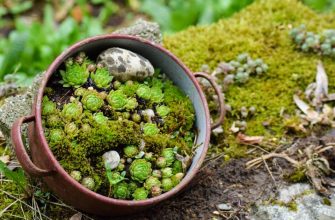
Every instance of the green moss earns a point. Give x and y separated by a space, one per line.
262 30
326 201
298 175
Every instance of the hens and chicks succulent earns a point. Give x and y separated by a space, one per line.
126 140
306 41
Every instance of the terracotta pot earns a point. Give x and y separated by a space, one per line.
44 164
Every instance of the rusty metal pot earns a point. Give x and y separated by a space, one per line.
44 164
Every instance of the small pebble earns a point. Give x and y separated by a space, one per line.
111 158
224 207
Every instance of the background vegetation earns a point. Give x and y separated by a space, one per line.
33 33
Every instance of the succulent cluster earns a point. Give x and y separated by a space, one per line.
126 140
147 174
240 69
306 41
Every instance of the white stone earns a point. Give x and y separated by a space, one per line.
111 158
126 65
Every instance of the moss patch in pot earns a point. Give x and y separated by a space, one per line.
108 134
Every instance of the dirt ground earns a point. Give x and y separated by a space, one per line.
218 182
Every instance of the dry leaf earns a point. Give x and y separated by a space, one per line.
5 159
311 115
234 129
243 139
321 89
77 216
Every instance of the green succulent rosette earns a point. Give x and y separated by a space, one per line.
117 100
75 74
99 118
156 95
48 107
166 172
56 135
144 91
150 129
163 110
169 155
152 181
140 170
167 184
72 110
177 167
92 101
121 191
140 194
102 78
130 151
131 104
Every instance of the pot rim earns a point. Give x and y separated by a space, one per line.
56 165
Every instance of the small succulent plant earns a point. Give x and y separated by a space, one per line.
156 95
140 194
102 78
167 184
151 182
130 151
323 43
150 129
167 172
161 162
53 121
75 174
163 110
121 191
140 170
131 104
155 191
100 118
76 73
177 167
177 178
157 173
114 177
72 110
48 107
144 92
56 135
71 129
92 101
88 182
169 155
117 100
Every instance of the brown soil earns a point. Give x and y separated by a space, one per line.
217 183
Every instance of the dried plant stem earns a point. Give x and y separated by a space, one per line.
258 160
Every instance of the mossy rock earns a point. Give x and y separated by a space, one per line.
262 30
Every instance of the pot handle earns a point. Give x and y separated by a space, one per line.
21 152
218 92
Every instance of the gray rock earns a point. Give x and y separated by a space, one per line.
17 106
111 158
310 206
144 29
126 65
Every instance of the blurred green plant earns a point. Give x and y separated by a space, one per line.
321 5
14 7
30 48
176 15
17 176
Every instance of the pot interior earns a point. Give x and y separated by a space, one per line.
168 65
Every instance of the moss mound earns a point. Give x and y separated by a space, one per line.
262 30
